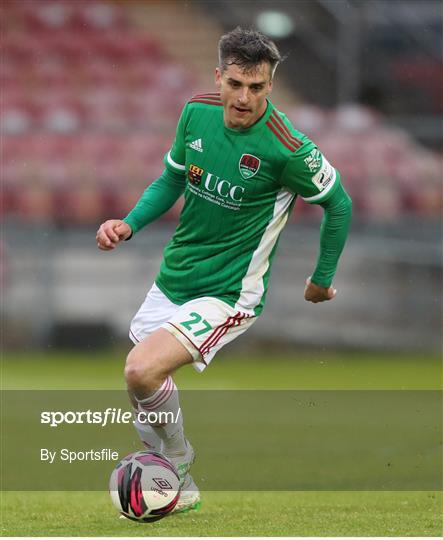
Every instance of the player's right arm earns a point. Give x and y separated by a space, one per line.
157 199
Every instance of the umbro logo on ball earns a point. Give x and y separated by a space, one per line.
162 483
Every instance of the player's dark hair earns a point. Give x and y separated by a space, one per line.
247 48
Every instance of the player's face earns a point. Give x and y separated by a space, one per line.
243 94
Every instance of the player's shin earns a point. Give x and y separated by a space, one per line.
161 411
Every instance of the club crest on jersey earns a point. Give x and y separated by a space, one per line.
248 165
195 174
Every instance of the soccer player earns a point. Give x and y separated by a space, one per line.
240 164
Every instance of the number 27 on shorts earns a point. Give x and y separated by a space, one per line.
196 324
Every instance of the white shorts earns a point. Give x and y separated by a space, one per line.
203 326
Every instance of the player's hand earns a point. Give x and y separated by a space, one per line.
112 232
314 293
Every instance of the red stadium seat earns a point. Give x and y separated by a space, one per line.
100 16
35 203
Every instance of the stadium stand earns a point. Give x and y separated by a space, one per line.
386 172
89 106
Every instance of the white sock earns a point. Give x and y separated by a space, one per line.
165 400
147 435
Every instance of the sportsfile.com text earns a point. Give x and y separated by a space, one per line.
107 417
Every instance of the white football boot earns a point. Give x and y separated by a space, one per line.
189 497
190 494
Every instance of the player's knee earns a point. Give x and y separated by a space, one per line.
135 368
141 369
132 374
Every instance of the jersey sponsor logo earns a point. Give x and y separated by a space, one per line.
313 161
248 165
224 188
325 175
196 145
195 174
214 189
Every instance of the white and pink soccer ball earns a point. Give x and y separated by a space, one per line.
144 486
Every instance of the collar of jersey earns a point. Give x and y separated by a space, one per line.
255 127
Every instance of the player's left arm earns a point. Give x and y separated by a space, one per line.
333 234
310 175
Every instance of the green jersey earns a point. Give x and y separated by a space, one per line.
239 189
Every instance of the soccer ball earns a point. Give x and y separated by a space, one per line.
144 486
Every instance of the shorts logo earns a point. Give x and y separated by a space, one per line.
195 174
248 165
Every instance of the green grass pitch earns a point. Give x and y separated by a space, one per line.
232 514
298 513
